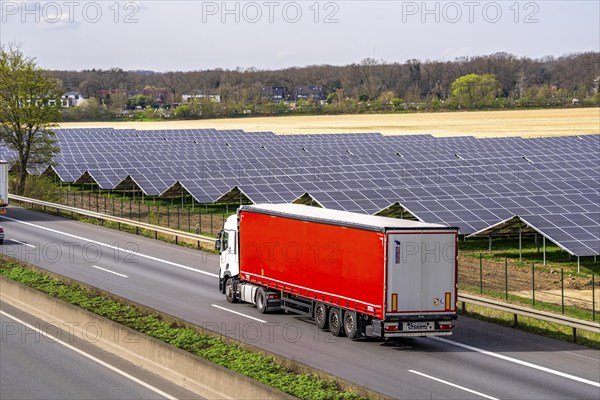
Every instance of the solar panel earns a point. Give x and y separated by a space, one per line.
461 181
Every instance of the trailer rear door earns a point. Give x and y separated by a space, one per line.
421 273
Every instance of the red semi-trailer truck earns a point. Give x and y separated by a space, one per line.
358 275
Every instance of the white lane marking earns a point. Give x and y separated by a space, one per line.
108 270
91 357
453 385
238 313
115 248
516 361
23 243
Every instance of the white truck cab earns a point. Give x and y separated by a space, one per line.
227 244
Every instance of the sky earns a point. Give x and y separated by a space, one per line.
191 35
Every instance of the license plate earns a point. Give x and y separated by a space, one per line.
418 326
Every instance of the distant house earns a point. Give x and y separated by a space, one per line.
186 98
314 93
71 99
161 96
276 93
111 95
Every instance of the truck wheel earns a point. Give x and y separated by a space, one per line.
229 292
261 300
321 316
335 322
350 323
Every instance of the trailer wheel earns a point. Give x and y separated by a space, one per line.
335 322
350 324
321 316
229 292
261 300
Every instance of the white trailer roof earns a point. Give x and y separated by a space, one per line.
338 217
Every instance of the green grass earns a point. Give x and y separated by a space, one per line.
509 247
570 311
212 348
556 331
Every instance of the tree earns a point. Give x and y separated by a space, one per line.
139 101
29 108
472 91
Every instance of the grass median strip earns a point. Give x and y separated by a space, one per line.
254 365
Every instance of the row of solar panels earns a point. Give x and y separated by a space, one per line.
462 181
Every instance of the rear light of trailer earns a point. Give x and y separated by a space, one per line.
445 326
390 326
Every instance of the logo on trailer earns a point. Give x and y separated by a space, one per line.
397 251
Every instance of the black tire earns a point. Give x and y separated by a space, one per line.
229 292
335 322
350 324
261 300
321 316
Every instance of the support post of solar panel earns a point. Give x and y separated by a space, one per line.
533 283
562 289
490 247
506 278
520 242
578 264
544 240
593 299
480 273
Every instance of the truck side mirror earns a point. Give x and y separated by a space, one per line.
218 245
219 234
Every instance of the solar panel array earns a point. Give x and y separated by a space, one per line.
462 181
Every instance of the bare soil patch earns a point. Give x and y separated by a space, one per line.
578 289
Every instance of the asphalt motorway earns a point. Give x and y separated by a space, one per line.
480 360
40 361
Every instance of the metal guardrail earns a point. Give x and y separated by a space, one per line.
463 298
573 323
105 217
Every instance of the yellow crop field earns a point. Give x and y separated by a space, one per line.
525 123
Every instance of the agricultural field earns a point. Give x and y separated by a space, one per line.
525 123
